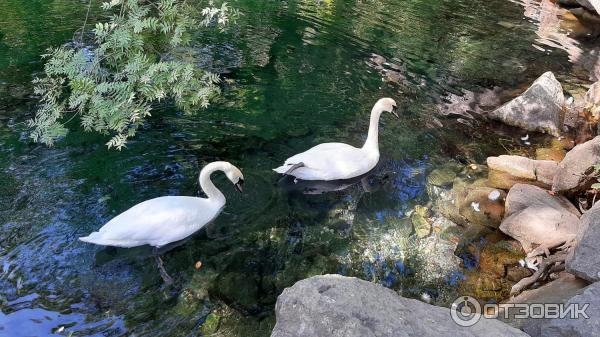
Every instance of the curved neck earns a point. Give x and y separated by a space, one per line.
372 142
212 192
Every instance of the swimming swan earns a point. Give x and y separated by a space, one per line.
335 161
160 221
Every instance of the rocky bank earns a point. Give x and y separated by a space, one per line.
538 217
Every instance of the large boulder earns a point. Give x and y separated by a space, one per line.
591 5
534 217
558 291
537 109
584 261
591 100
573 173
338 306
588 302
506 171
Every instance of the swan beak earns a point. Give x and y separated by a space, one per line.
395 113
238 185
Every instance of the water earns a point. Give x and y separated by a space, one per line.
297 73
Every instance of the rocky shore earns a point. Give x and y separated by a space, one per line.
538 215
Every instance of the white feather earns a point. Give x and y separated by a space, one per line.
160 221
337 161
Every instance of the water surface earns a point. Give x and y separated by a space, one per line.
297 73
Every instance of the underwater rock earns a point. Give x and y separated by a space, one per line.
485 286
211 324
441 177
517 273
534 217
420 222
572 175
506 171
495 258
483 206
334 305
584 260
549 153
537 109
238 290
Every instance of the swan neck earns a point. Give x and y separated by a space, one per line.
212 192
372 142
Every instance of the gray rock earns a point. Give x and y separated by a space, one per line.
338 306
571 327
557 291
534 217
592 5
573 171
584 261
537 109
506 170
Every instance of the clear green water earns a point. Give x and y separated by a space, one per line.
298 73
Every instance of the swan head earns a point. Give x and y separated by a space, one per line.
386 104
235 176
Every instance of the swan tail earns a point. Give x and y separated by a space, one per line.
97 239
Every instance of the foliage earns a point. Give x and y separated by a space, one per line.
113 85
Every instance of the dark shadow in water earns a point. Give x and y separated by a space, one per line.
369 182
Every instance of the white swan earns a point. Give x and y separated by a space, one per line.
335 161
160 221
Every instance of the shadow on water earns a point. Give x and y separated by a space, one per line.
297 73
368 182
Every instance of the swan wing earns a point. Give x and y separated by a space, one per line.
330 161
156 222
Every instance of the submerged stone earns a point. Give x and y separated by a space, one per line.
441 177
477 206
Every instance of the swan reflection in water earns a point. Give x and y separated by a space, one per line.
369 182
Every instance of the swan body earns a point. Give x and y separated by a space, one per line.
338 161
160 221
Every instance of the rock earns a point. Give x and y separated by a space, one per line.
334 305
494 258
441 177
588 301
584 261
485 287
420 222
537 109
572 173
211 324
591 100
517 273
557 291
483 206
506 171
534 217
550 154
592 5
